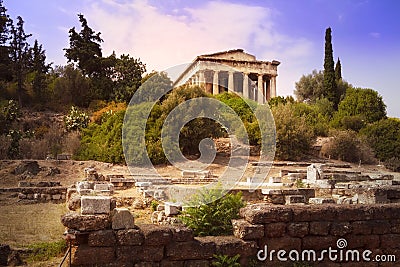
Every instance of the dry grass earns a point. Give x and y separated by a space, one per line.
22 225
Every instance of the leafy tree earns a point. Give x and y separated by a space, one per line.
364 103
76 119
154 83
294 137
330 87
384 137
310 87
127 75
70 87
338 70
20 56
84 48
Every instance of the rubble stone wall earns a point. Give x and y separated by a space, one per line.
275 227
40 194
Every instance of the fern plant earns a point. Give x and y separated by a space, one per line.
226 261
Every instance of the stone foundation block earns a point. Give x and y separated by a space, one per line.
156 234
319 242
122 219
320 228
95 205
275 229
363 241
86 255
244 230
264 213
340 229
140 254
181 233
130 237
390 241
191 250
102 238
299 229
86 222
231 246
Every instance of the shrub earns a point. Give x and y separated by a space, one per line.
226 261
210 213
347 146
104 113
294 137
384 138
76 119
393 164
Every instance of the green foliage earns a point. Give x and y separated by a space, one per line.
275 101
365 103
154 205
347 146
226 261
211 212
103 142
384 138
338 70
294 137
330 86
76 119
84 48
46 250
310 87
393 164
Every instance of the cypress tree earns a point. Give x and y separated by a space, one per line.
330 87
338 70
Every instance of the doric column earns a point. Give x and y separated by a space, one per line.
260 89
246 85
215 83
202 79
273 87
231 84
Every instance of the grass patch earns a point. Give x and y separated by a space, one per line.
23 225
46 250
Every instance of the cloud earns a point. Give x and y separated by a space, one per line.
164 39
375 35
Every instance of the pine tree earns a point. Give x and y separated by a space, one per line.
20 56
330 87
39 69
338 70
5 73
84 48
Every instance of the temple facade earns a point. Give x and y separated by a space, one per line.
234 71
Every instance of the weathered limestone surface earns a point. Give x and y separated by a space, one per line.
79 222
95 205
122 219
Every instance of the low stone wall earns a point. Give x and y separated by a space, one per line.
40 194
313 228
266 235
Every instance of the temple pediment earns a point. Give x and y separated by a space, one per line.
236 55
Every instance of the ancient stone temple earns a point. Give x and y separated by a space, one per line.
235 71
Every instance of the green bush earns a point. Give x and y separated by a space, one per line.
294 136
226 261
210 213
384 138
103 142
347 146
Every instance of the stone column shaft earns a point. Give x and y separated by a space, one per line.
246 85
231 84
273 87
260 89
215 83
